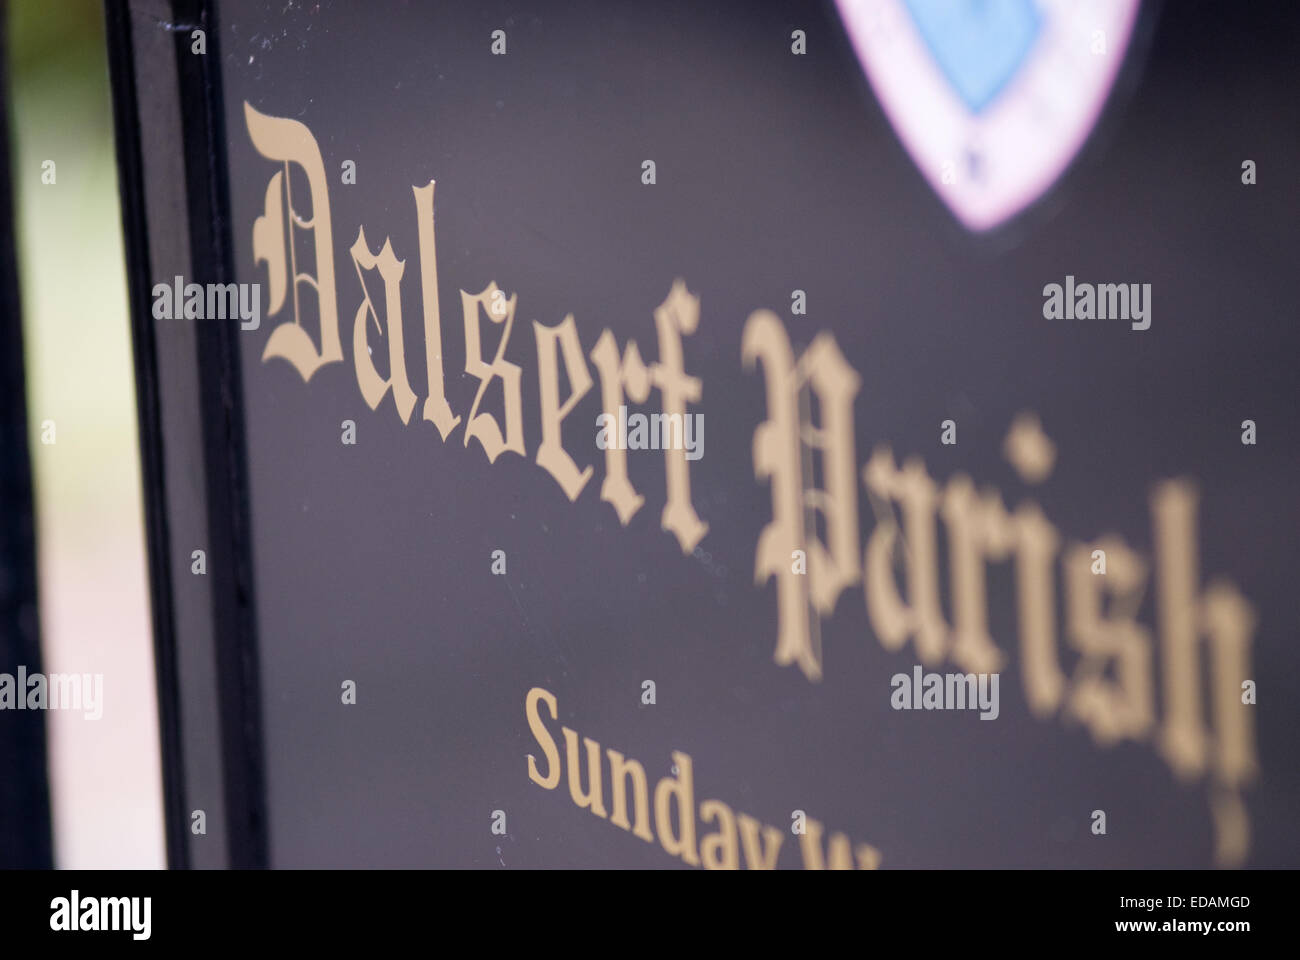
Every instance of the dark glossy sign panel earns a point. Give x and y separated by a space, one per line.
758 435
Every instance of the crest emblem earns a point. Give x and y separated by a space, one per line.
992 98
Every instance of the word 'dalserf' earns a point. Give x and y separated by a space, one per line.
622 376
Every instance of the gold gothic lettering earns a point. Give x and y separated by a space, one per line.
290 142
783 448
680 824
811 548
1112 690
373 386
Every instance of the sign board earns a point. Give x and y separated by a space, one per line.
733 435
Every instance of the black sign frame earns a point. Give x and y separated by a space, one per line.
167 109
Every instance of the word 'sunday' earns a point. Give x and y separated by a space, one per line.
716 850
1112 689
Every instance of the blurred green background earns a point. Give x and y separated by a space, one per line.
105 777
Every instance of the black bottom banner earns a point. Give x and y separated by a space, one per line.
333 908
